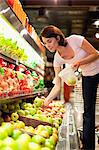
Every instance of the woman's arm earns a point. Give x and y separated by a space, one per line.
93 54
55 90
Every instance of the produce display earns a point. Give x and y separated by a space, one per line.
25 124
13 138
16 79
52 114
10 48
16 135
13 45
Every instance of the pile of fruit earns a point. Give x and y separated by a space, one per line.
52 114
16 80
10 48
44 137
16 135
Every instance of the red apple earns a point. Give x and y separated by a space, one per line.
11 66
7 118
27 72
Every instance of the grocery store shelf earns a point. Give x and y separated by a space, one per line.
8 59
14 20
11 60
22 96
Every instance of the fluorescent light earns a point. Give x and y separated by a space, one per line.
97 35
96 23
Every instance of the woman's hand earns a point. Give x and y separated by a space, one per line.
76 65
46 102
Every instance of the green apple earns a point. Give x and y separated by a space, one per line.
39 112
49 129
29 116
6 148
38 101
29 129
49 143
29 105
11 107
10 142
37 117
3 133
32 111
58 120
26 112
4 107
2 144
71 81
8 127
1 120
62 110
49 120
54 137
34 146
23 142
20 124
42 117
6 111
17 106
56 125
20 101
14 116
38 139
21 112
40 127
44 133
16 133
34 106
23 105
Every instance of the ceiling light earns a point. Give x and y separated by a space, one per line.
96 23
97 35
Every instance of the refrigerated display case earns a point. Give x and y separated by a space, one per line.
18 49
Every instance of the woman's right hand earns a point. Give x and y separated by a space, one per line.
46 102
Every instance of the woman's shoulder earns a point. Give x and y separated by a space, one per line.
75 39
74 36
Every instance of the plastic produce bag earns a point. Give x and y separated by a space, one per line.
68 76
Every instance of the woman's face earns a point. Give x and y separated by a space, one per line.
50 43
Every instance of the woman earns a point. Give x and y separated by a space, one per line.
78 52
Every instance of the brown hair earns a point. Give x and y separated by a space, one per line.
52 31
